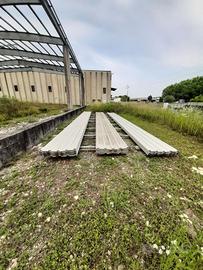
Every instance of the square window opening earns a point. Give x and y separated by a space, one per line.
33 88
16 88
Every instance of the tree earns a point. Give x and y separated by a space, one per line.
186 90
150 98
124 98
169 99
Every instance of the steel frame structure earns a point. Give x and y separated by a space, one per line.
26 43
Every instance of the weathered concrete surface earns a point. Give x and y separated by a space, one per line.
16 143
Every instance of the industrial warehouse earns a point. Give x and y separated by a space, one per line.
37 62
45 86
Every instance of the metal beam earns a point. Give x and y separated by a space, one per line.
30 37
55 21
28 54
19 2
17 62
25 63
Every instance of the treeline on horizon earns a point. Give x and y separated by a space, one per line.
189 90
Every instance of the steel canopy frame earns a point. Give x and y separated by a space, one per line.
25 45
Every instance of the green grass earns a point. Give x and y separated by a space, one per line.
12 110
186 121
105 212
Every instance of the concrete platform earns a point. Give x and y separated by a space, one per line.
108 141
68 142
150 144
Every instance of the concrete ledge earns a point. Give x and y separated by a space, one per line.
22 140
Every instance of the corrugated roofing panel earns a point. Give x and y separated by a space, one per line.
68 141
108 141
150 144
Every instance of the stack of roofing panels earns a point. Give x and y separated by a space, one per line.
150 144
68 141
108 141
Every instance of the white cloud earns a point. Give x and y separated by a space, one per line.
146 44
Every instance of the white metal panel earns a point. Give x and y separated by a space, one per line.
108 141
150 144
68 141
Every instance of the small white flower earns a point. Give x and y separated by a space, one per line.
174 242
147 223
39 215
93 202
105 215
160 251
169 196
76 197
112 204
71 257
109 252
48 219
155 246
3 237
163 247
131 176
168 252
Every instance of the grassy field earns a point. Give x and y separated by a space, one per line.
186 121
13 111
114 212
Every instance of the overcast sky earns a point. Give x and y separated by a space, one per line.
147 44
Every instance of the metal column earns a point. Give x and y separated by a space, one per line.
81 86
67 75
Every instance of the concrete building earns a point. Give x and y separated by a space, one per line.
46 86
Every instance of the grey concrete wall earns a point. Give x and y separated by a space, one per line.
97 86
96 83
14 144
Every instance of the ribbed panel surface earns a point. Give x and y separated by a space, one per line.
68 141
108 141
150 144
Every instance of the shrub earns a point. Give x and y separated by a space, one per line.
197 99
169 99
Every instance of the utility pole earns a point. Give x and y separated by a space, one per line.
127 87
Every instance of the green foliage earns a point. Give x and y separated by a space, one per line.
186 121
186 90
124 98
197 99
11 108
169 99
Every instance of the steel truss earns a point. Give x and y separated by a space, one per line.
28 40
